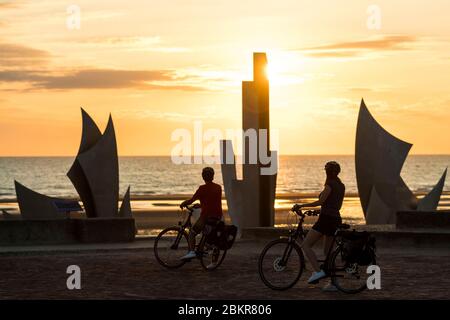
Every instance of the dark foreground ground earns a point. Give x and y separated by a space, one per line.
135 274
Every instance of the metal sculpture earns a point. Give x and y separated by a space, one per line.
94 174
379 159
251 200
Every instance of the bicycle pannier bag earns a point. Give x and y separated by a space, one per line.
367 256
213 232
358 247
226 237
230 232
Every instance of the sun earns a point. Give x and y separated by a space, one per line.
284 68
268 72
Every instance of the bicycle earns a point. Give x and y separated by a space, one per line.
280 269
171 241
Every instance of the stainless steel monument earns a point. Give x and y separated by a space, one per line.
95 175
251 200
379 159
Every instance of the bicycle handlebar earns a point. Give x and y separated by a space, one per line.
309 213
191 207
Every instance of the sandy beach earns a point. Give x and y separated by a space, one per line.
156 212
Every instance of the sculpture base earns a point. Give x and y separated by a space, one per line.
423 220
66 231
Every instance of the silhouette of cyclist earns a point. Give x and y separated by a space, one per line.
210 197
330 200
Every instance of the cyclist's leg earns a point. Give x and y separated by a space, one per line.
195 230
311 238
214 222
328 244
329 230
207 226
328 241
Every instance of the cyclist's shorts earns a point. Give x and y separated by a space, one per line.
202 222
327 225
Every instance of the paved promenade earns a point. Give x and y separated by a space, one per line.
130 271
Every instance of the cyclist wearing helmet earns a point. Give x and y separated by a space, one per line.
210 197
330 200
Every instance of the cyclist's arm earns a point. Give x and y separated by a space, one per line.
322 198
190 201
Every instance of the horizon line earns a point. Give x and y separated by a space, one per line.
168 155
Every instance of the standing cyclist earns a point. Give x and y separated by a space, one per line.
330 200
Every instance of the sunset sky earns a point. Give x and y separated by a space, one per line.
161 65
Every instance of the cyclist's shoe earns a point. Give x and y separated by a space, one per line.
316 276
330 287
189 255
212 265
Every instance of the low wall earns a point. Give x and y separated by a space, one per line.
432 219
386 236
66 231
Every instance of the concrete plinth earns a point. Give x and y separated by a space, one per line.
431 219
105 230
66 231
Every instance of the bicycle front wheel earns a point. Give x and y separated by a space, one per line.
348 277
169 247
281 264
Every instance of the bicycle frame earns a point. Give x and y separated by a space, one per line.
299 234
187 225
183 226
293 237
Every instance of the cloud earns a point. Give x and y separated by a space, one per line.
9 51
332 54
429 107
30 69
132 43
361 47
101 79
384 89
384 43
204 113
360 89
125 40
9 4
19 55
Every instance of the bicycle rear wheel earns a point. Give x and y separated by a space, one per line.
281 264
348 277
169 247
212 257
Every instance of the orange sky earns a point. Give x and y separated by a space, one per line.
161 65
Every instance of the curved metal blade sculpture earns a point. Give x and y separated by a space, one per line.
379 159
35 206
94 174
95 171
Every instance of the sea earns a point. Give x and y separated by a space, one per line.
154 179
158 175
